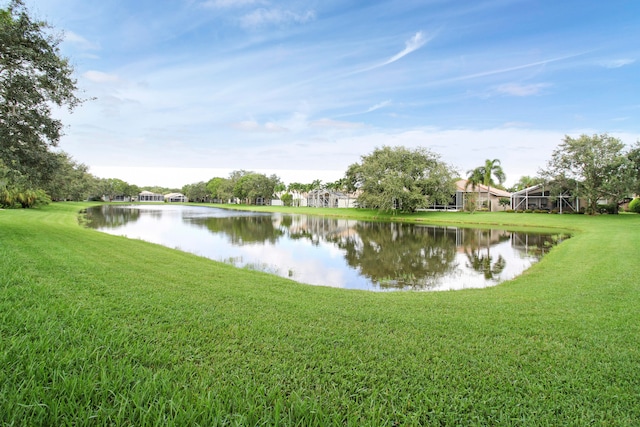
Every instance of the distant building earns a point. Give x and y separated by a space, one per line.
329 199
176 198
486 198
538 197
148 196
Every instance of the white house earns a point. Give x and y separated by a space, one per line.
148 196
176 198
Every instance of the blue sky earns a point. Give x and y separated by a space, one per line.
186 90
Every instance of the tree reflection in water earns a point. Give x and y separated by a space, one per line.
398 255
477 249
385 256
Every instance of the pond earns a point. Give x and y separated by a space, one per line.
378 256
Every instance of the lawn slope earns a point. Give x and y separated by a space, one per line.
101 330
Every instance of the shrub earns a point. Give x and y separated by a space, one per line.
610 208
634 205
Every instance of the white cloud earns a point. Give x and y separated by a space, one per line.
254 126
263 17
517 89
230 3
100 77
336 124
414 43
78 40
617 63
378 106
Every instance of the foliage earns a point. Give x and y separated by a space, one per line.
287 199
597 163
249 186
400 178
33 78
219 189
71 181
634 158
17 193
608 208
13 198
246 186
634 205
197 192
484 175
525 182
504 201
115 187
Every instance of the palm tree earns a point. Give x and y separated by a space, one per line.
474 178
490 169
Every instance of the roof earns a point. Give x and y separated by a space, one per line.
527 190
464 186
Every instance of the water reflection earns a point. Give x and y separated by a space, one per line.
333 252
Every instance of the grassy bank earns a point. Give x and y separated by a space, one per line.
101 330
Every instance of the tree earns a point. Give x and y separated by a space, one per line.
219 189
525 181
634 158
70 180
399 178
197 192
249 186
33 78
114 187
287 199
474 179
597 163
487 172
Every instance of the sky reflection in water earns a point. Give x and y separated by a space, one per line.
332 252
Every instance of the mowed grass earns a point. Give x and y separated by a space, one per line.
101 330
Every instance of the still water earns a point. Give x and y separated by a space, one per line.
344 253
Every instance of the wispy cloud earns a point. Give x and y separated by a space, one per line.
263 17
79 41
223 4
617 63
254 126
100 77
414 43
508 69
378 106
517 89
335 124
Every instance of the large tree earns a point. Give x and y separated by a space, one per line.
197 192
634 158
34 77
71 180
597 163
400 178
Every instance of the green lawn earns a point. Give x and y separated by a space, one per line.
101 330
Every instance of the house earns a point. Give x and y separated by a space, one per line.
538 197
148 196
176 198
117 198
330 199
487 198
